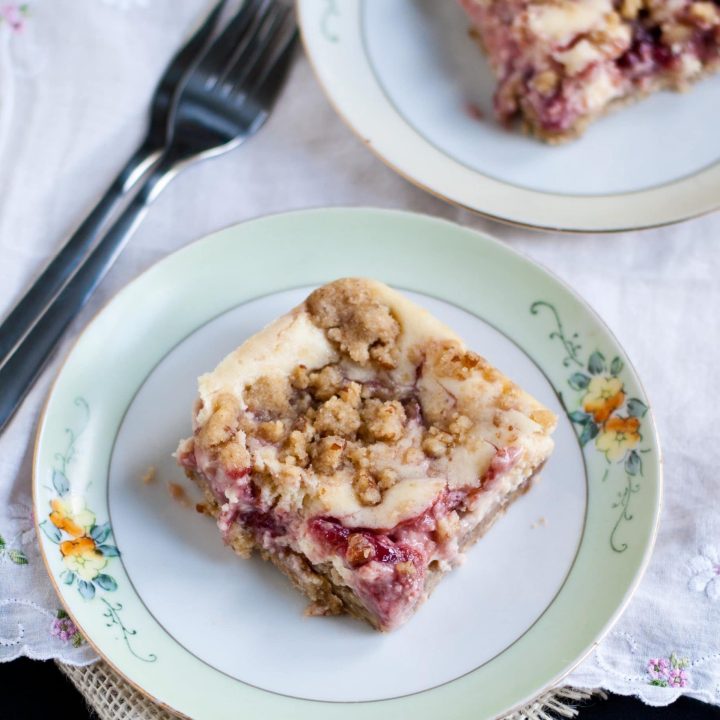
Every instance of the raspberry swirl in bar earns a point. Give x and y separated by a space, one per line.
358 445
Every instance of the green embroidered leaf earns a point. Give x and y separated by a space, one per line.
633 463
106 582
590 430
69 578
50 531
578 381
636 408
580 417
596 363
86 589
616 366
61 614
18 557
99 533
77 640
659 683
2 543
109 550
60 482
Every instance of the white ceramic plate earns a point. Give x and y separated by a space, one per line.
148 580
403 74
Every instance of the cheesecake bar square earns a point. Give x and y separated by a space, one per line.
358 445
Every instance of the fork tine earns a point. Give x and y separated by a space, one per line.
258 51
188 52
223 48
271 78
248 41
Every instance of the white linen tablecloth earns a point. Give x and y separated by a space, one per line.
75 80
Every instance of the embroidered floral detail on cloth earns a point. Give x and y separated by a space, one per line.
657 681
14 15
705 569
12 554
668 673
64 628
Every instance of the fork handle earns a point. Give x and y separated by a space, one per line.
23 366
53 277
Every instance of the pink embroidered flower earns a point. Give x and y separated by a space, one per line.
14 15
658 668
668 673
677 678
65 629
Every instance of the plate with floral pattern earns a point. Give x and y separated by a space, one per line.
148 581
410 80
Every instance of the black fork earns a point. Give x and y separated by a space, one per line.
225 100
52 278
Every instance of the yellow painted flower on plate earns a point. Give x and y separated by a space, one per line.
618 436
71 516
604 396
82 557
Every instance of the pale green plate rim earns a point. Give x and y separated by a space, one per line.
536 661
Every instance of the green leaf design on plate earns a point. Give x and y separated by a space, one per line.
616 366
578 381
636 408
99 533
68 577
109 550
60 482
579 417
50 531
596 363
633 463
87 589
106 582
588 433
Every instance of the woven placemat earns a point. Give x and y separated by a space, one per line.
114 699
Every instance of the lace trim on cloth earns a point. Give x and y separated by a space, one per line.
114 699
618 665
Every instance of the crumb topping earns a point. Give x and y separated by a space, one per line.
349 422
384 421
268 396
356 322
